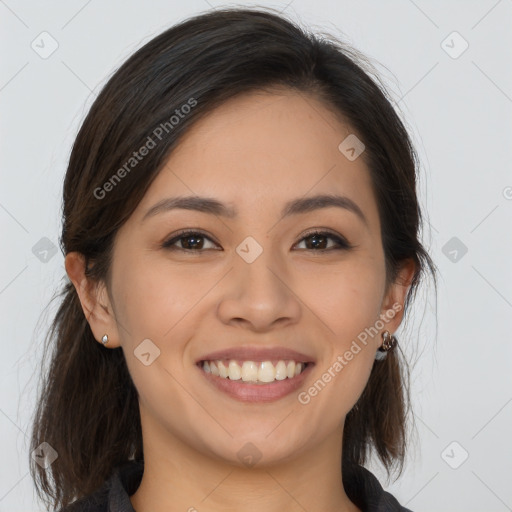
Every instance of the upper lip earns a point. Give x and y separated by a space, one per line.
257 354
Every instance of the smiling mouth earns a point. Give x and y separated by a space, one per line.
254 372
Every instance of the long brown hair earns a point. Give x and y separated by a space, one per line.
88 406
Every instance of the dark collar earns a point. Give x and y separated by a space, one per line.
363 489
361 486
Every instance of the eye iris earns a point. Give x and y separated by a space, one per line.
315 243
196 242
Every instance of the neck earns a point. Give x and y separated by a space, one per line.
179 478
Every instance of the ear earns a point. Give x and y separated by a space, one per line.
393 303
94 299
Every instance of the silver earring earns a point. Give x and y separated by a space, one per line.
104 340
388 343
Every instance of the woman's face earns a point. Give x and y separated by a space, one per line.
253 280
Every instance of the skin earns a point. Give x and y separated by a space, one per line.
255 153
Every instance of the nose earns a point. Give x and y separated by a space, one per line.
259 296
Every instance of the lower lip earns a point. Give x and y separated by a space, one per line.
246 392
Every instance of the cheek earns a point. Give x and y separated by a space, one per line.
347 298
155 295
348 301
157 303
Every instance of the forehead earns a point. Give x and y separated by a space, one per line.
264 148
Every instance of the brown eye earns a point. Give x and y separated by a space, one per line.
319 241
193 241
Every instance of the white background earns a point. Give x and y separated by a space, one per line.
459 111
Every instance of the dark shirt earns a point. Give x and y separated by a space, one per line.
361 486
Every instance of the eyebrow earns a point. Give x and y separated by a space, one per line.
214 207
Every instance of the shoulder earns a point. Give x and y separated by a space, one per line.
96 502
363 488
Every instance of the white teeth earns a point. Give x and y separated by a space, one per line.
251 371
290 369
223 371
234 372
267 372
281 371
214 369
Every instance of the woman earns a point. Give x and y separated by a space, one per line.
241 236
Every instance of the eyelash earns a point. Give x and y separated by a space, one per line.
340 241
